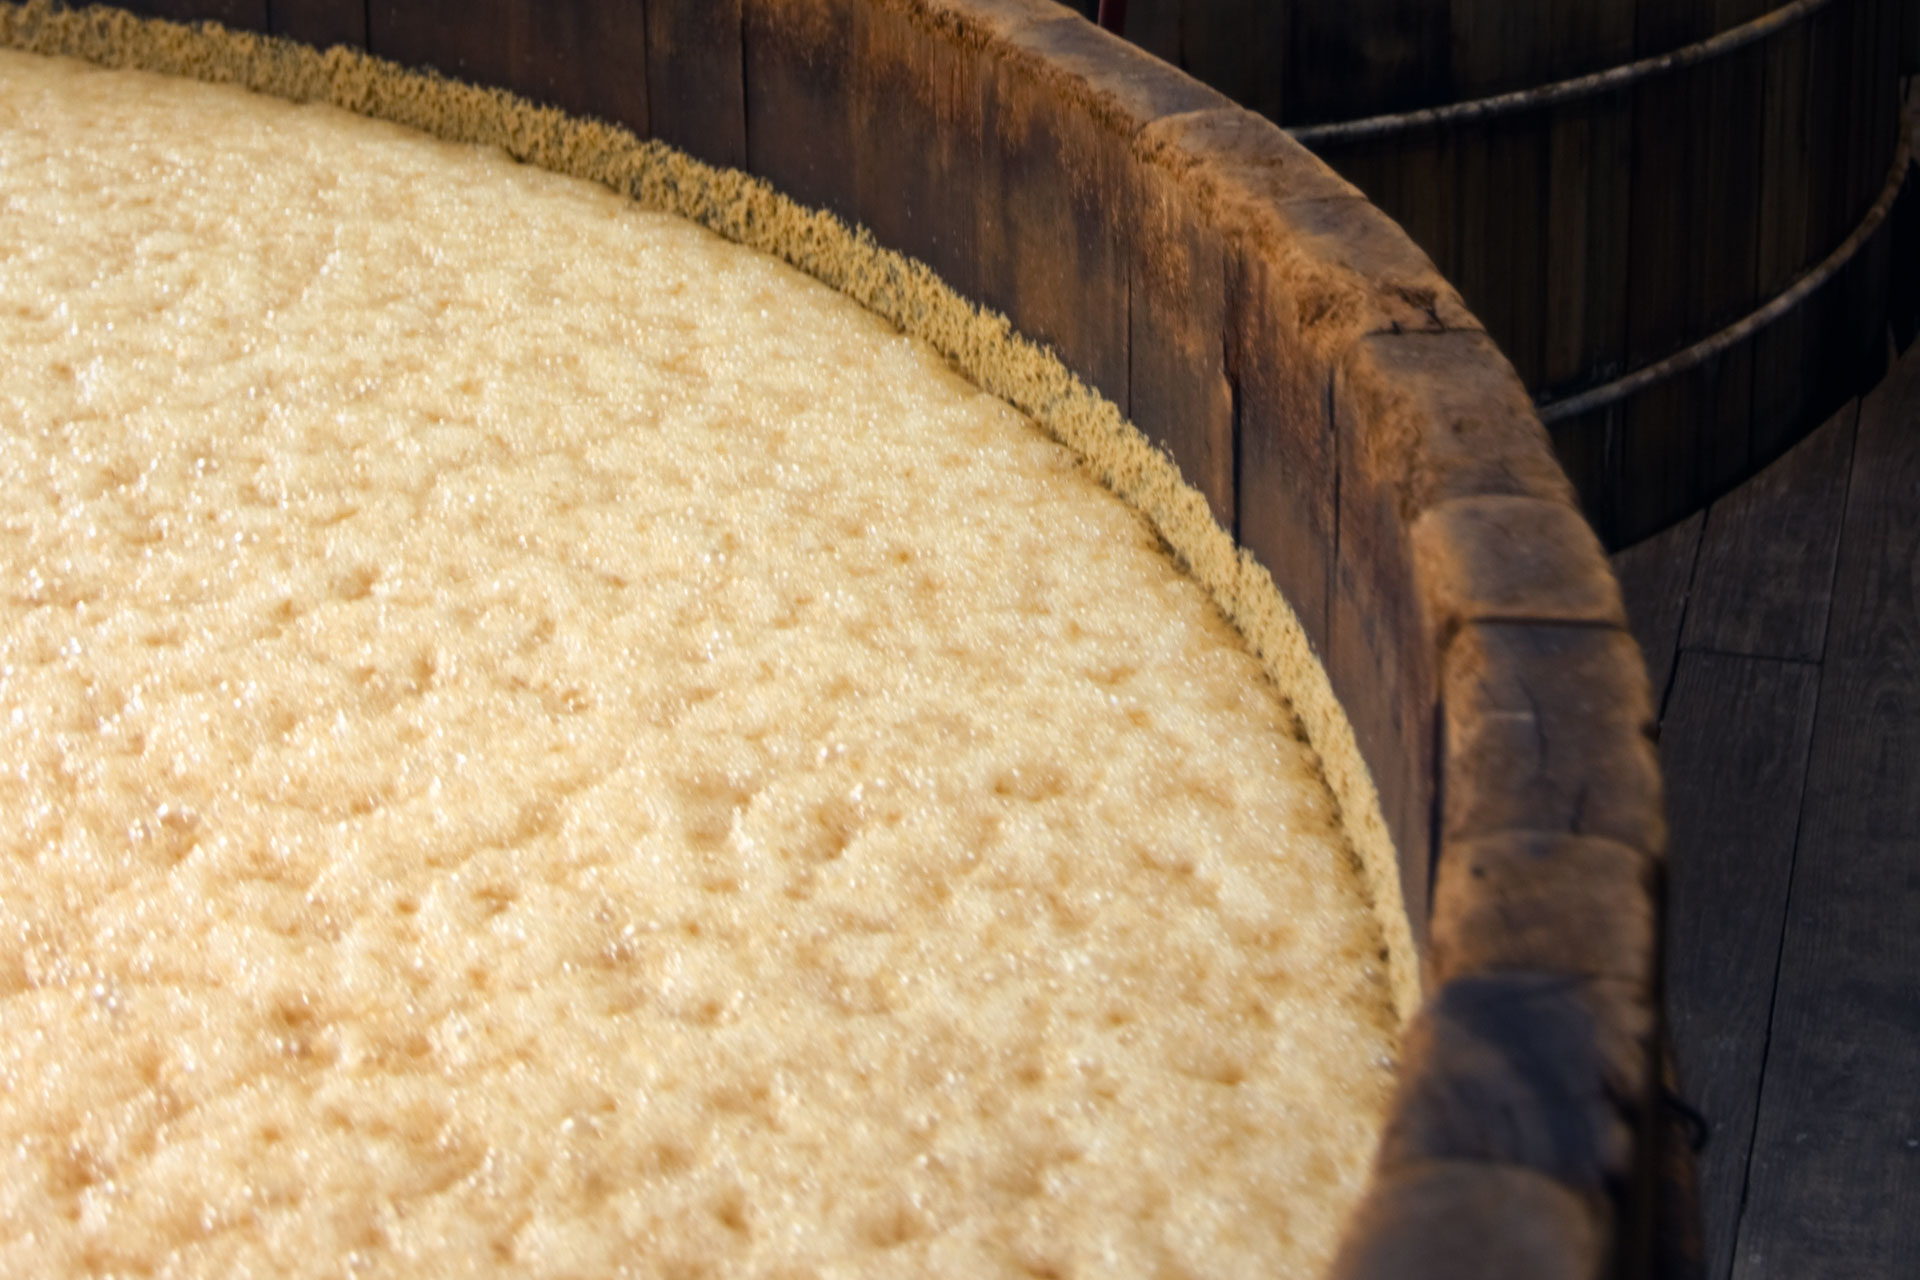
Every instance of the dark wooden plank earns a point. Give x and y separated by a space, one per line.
1836 1161
1589 204
1177 387
1284 425
1666 151
1240 48
1786 141
1588 449
246 15
1727 183
586 57
1498 46
1734 751
801 99
1365 57
1051 251
1830 77
1656 575
924 137
1154 25
1587 35
1866 92
1767 559
1501 177
1522 163
321 23
695 98
1660 456
1726 432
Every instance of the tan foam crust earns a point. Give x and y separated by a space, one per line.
1453 644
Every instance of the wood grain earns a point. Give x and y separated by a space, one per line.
1051 242
696 99
1734 748
1178 391
1540 719
1836 1159
925 100
802 99
586 57
1656 577
321 23
1588 218
246 15
1765 575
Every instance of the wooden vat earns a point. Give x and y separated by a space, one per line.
1671 214
1345 417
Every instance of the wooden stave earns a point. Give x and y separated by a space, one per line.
1532 1069
1586 280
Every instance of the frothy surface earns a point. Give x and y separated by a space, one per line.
539 739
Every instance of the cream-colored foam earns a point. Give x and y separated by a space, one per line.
540 739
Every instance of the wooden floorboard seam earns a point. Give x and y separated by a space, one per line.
1665 691
1711 651
1773 1001
1854 462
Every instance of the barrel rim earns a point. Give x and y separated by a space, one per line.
1528 1076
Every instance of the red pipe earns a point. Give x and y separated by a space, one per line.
1113 15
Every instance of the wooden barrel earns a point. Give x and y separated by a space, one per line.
1672 214
1342 414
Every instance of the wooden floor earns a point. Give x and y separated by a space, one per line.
1782 631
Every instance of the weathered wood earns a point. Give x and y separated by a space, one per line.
321 23
801 99
1545 1071
1050 246
1525 902
696 99
1432 509
587 57
245 15
1836 1159
1503 558
1734 746
920 114
1233 166
1178 390
1656 577
1540 718
1464 1220
1411 437
1285 477
1766 566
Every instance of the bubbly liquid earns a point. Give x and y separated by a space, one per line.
536 739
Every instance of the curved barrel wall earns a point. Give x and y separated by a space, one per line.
1343 415
1671 214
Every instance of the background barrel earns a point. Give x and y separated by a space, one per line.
1671 214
